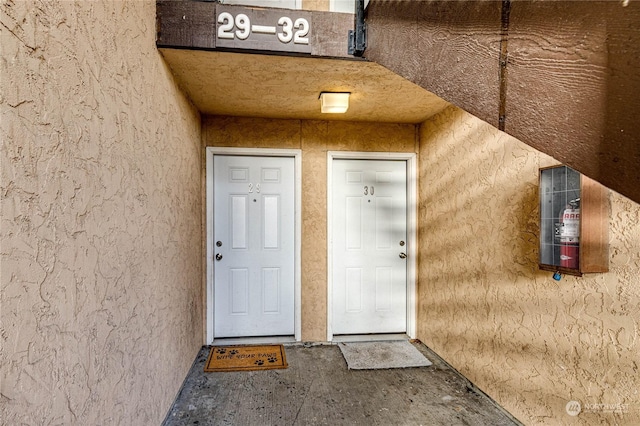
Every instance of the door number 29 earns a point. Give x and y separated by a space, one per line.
286 30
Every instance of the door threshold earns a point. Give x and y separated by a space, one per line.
262 340
342 338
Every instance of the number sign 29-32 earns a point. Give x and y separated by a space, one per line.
263 29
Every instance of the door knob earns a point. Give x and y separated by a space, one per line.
403 255
218 256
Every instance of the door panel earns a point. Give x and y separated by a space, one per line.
239 219
353 290
271 228
254 224
353 217
369 277
239 283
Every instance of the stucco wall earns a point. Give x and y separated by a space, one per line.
531 343
314 138
101 226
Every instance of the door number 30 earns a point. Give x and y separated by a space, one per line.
286 30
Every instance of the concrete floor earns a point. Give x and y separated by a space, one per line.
318 389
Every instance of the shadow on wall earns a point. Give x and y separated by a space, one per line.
468 195
531 343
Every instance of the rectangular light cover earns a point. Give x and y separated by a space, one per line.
334 103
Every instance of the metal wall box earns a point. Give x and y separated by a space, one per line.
574 216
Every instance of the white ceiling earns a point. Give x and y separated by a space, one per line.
253 85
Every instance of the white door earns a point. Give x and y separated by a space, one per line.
254 243
369 270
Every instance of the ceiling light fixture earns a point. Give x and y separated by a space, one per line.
334 102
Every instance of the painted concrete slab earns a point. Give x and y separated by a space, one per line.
319 389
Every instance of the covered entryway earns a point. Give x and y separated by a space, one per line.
372 239
253 241
268 101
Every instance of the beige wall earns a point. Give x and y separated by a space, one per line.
531 343
314 138
100 238
315 4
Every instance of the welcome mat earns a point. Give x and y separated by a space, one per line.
245 358
381 355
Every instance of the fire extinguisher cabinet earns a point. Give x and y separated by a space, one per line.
574 216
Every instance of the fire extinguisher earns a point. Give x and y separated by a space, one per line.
570 235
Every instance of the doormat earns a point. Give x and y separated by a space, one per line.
245 358
382 355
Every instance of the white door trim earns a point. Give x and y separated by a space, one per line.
261 152
412 227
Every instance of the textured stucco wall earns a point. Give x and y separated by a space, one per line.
531 343
101 226
314 138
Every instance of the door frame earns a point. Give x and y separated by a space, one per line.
296 154
411 160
